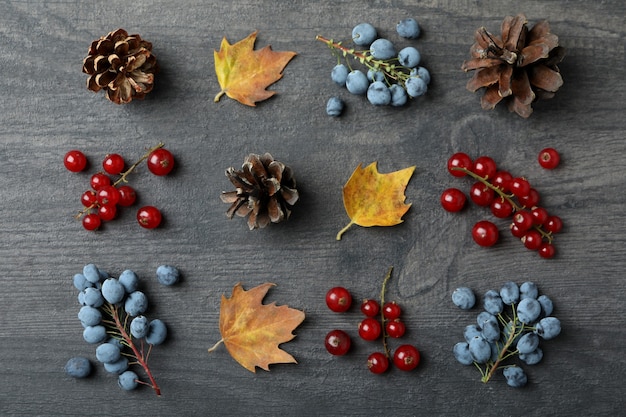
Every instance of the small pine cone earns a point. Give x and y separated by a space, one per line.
265 191
518 67
122 65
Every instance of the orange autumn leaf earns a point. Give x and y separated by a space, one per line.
252 331
375 199
244 74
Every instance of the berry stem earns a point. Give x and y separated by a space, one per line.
138 354
504 352
382 315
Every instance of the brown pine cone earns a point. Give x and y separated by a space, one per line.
122 65
518 67
265 191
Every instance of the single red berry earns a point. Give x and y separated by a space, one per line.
453 200
88 198
338 299
392 310
459 160
523 219
546 250
540 215
127 196
481 194
149 217
530 200
502 180
485 167
160 162
113 164
520 187
108 195
91 221
378 363
75 161
99 180
553 224
370 329
516 231
370 308
107 212
395 328
337 342
485 233
532 240
549 158
501 208
406 357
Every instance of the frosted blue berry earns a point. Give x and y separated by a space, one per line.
490 331
528 290
509 293
375 75
334 106
92 297
157 332
462 354
548 328
95 334
80 282
533 357
118 366
339 74
89 316
91 273
378 94
139 327
408 28
492 302
382 48
515 376
528 343
415 86
78 367
108 353
409 57
479 349
167 274
398 95
113 291
136 303
357 82
127 380
470 331
129 280
364 34
546 305
528 310
463 298
485 317
423 74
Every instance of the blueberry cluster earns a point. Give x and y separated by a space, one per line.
112 315
388 76
513 322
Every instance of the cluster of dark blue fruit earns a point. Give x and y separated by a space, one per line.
112 318
388 76
513 323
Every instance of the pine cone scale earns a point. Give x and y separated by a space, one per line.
545 78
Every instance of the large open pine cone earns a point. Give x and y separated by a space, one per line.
518 67
122 65
265 191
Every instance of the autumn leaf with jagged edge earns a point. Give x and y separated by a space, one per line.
245 73
252 331
375 199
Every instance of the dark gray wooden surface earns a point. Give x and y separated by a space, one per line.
46 110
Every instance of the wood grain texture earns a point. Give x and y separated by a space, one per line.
46 110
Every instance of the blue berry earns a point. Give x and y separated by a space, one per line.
479 349
89 316
398 95
509 293
339 74
167 274
470 331
127 380
409 57
423 74
157 332
139 327
334 107
108 353
129 280
92 297
492 303
375 75
515 376
95 334
528 343
485 317
113 291
490 331
415 86
462 354
378 94
408 28
382 48
364 34
357 82
548 328
118 366
533 357
91 273
546 305
463 298
528 310
528 290
78 367
136 303
80 282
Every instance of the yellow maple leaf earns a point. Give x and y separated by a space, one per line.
375 199
252 331
245 73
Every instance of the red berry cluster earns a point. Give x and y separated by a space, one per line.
101 202
405 357
506 196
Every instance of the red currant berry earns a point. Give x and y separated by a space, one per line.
540 215
113 164
395 328
99 180
530 200
108 195
378 363
523 220
520 187
370 308
485 167
481 194
337 342
392 310
453 200
127 196
88 198
485 233
549 158
517 232
553 224
502 180
338 299
149 217
91 221
406 357
370 329
459 160
75 161
547 251
160 162
501 208
107 212
532 240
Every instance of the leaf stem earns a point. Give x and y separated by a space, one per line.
215 346
342 231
